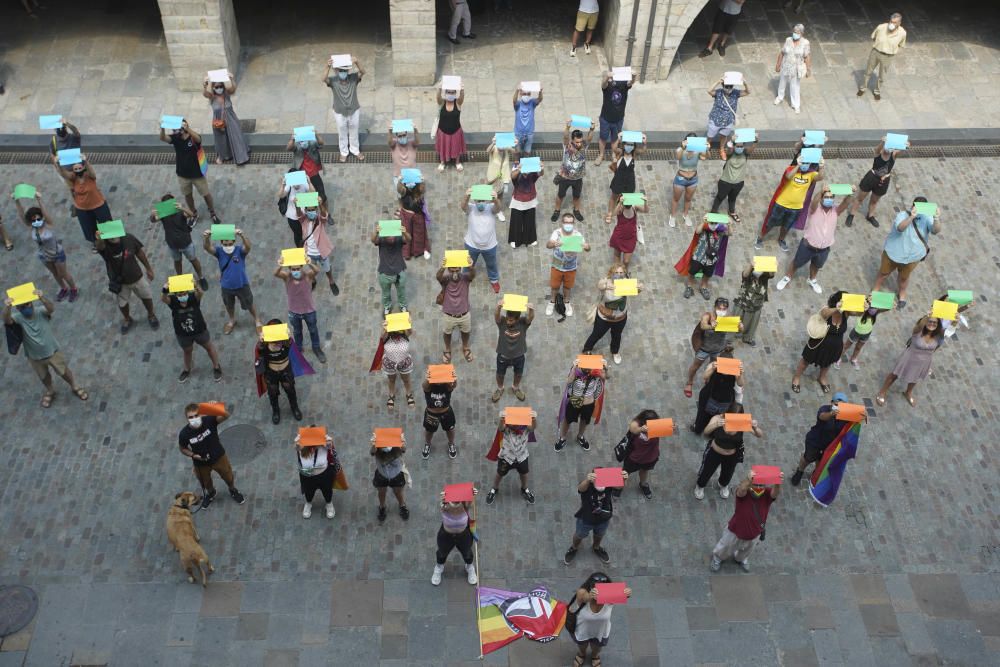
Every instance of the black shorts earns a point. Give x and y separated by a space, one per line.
813 454
583 413
503 467
186 342
380 482
631 466
873 184
724 23
445 420
694 268
565 184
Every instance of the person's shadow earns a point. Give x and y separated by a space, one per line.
5 73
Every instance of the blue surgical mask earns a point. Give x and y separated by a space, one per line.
402 141
342 75
796 36
568 228
739 150
38 223
827 202
480 206
311 215
27 311
803 167
183 298
450 98
525 98
297 275
629 148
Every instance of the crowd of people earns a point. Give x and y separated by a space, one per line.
803 200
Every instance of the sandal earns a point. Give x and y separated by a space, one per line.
735 217
595 662
796 387
518 393
910 399
824 387
467 352
81 393
497 394
47 399
687 390
9 246
446 357
409 400
880 400
578 661
228 327
391 402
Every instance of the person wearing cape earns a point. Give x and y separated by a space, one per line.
829 472
279 363
392 357
582 402
510 451
789 206
706 254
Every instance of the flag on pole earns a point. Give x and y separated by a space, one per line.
829 472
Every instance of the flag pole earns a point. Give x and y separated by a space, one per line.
475 560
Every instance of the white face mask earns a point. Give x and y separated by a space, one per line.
229 249
450 98
525 98
600 489
568 229
796 36
194 422
891 27
720 313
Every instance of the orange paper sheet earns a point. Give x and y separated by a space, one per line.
850 412
310 436
728 366
658 428
738 421
517 416
213 409
590 362
388 437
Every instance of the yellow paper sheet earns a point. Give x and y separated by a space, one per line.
275 333
457 258
765 264
852 303
728 324
397 322
294 257
944 310
181 283
22 294
515 302
626 287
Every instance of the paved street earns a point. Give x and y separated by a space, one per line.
122 83
902 569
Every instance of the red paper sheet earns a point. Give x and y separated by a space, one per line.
611 593
766 474
458 493
609 477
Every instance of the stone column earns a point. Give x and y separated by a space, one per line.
414 42
201 35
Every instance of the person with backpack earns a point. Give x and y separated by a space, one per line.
641 452
753 503
588 622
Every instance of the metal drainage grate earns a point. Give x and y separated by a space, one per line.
243 442
18 605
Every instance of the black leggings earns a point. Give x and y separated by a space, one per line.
448 541
730 190
317 183
601 327
287 381
323 482
711 460
296 228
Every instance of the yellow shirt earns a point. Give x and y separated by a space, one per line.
793 196
888 42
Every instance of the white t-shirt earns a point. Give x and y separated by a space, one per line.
291 213
730 7
589 6
482 231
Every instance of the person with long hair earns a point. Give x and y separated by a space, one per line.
685 181
317 465
592 621
826 349
397 361
583 391
724 450
274 364
623 157
50 247
915 362
230 143
390 473
522 230
859 335
718 392
643 452
611 314
625 235
438 413
455 533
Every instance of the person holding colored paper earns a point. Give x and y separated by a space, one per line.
582 397
724 450
40 346
790 198
306 157
199 441
481 235
390 473
343 83
299 282
455 533
875 182
403 152
498 173
177 234
623 167
524 119
455 307
611 312
512 345
122 258
914 364
593 620
823 432
233 279
513 454
7 243
317 465
416 221
562 273
397 361
750 300
718 392
89 205
191 166
859 335
817 239
706 341
722 115
753 504
794 64
625 235
706 254
685 182
594 516
286 199
190 328
50 247
523 202
317 244
391 267
230 143
573 168
449 139
643 452
273 363
823 350
906 246
612 111
438 413
733 175
65 136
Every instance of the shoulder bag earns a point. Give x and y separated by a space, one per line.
816 326
623 448
15 336
921 237
756 516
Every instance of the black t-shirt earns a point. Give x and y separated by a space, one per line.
176 231
615 97
595 506
728 441
187 156
203 441
122 259
823 432
188 320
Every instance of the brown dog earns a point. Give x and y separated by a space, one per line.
182 534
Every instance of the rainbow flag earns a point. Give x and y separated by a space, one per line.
202 161
505 616
829 472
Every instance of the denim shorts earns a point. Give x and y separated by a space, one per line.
783 217
188 252
60 258
609 131
583 528
682 182
321 263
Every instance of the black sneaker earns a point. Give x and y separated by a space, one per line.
203 284
872 220
555 216
217 374
235 494
183 377
570 555
296 413
207 499
471 35
452 450
216 219
426 453
705 52
849 220
453 41
491 496
381 514
582 441
646 491
578 215
559 445
276 415
528 495
722 50
404 512
335 289
796 478
602 554
319 355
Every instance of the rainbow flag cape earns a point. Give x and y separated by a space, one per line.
598 405
494 452
800 222
684 262
505 616
377 360
300 366
826 478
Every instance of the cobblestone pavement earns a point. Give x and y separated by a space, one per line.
902 569
122 83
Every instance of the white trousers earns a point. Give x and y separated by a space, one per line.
730 546
792 82
460 13
347 132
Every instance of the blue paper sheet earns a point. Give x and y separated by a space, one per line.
69 156
631 137
896 142
411 176
402 125
50 122
582 122
531 165
697 144
744 135
305 133
294 178
171 122
815 137
811 155
505 139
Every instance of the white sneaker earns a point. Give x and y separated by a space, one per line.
534 243
815 285
307 510
687 221
569 309
436 576
724 491
331 511
586 49
550 308
513 245
441 166
796 109
671 221
501 217
778 100
783 283
572 53
427 254
470 571
617 357
699 493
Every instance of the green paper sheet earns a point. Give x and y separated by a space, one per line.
307 199
925 208
572 243
838 189
717 217
24 191
223 232
961 297
633 199
390 228
111 230
166 208
883 300
482 192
